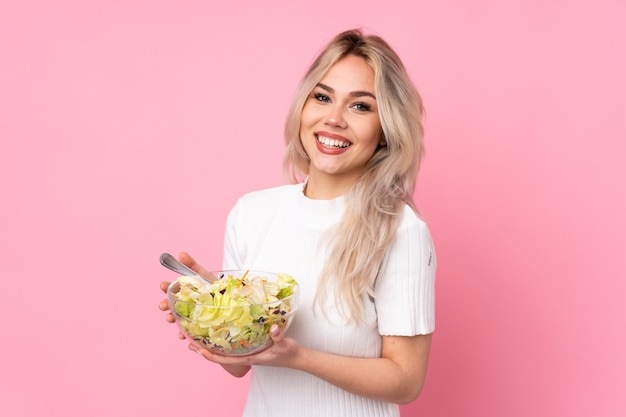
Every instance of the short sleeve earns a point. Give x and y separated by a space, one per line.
405 289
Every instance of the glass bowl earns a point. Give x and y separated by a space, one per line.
232 315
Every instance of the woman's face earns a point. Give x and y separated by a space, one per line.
340 128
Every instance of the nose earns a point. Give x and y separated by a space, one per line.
335 118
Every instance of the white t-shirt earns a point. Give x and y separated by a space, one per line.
281 230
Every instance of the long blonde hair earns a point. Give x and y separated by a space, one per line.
375 203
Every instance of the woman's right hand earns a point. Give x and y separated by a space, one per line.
164 306
186 259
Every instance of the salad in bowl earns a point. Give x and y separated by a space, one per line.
232 315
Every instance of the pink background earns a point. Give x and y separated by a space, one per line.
129 128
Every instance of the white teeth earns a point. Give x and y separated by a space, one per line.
332 143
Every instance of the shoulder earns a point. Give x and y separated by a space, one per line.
413 221
414 236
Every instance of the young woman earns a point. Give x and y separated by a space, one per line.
348 231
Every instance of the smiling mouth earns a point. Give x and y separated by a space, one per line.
332 143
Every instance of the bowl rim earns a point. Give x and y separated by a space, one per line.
172 298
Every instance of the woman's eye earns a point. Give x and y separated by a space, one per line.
321 97
361 106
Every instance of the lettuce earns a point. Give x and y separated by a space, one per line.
233 314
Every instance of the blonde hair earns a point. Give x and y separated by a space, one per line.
375 203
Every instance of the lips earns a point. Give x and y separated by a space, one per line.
330 143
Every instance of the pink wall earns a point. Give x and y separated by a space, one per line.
128 128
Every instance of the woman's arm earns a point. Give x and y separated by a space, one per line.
398 376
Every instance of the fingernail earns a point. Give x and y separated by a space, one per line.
274 330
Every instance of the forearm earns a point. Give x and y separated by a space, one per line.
394 379
377 378
397 376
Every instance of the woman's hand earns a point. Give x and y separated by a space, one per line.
186 259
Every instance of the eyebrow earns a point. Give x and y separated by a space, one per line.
352 93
